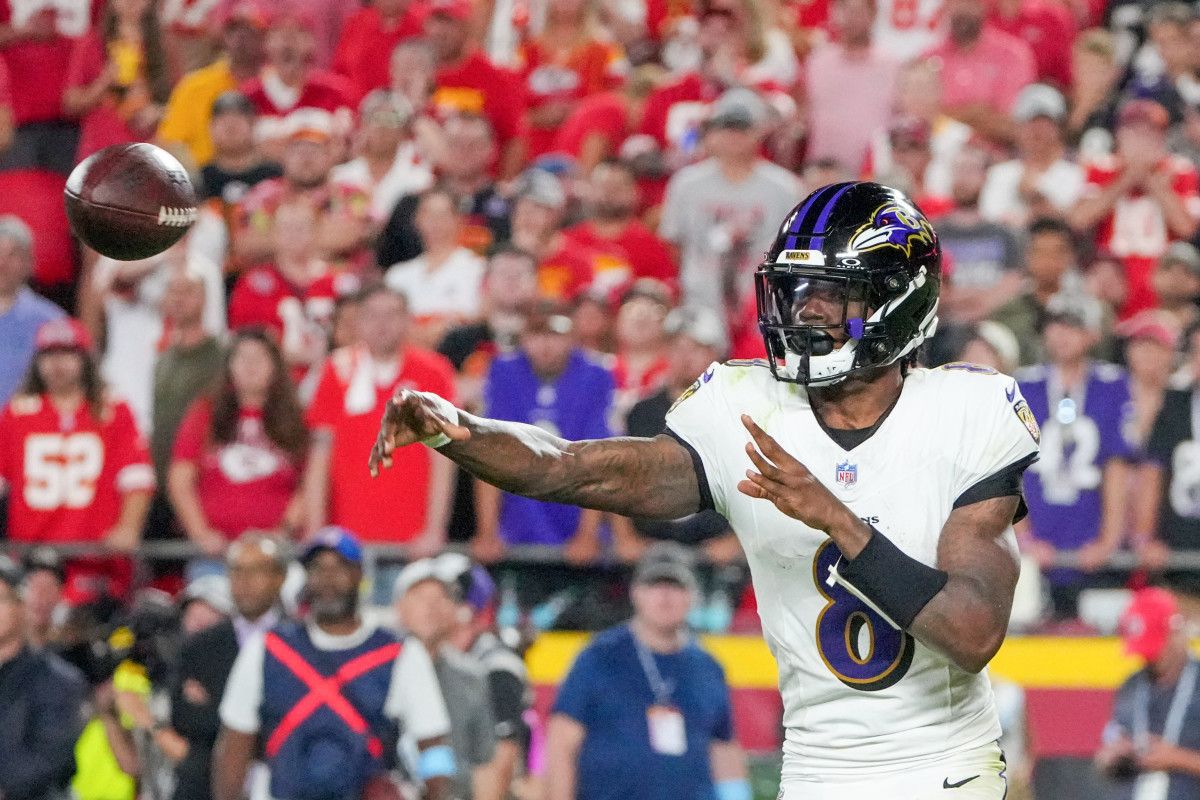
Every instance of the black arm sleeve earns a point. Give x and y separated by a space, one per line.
1004 483
507 694
706 500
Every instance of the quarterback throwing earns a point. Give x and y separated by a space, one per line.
874 500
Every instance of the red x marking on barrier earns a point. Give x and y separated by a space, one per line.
326 691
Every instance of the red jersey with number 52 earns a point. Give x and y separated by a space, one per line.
66 474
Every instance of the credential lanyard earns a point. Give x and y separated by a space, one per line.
662 688
1180 700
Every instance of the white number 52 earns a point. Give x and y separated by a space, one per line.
62 470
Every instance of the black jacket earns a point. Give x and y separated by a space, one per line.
204 665
42 714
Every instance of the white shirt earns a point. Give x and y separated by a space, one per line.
860 698
1000 201
409 174
414 696
452 290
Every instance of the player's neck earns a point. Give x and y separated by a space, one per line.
670 640
859 401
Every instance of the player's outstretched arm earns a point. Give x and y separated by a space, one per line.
650 478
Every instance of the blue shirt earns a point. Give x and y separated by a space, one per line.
608 693
18 326
1079 436
574 406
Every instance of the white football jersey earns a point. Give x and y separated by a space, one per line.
860 697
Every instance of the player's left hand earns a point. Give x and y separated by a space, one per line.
793 490
1159 755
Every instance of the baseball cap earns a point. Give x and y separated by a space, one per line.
1148 621
738 108
1143 110
1182 253
10 573
668 562
211 589
1039 100
334 538
1077 309
233 102
1153 324
44 559
414 573
249 14
701 325
63 333
454 9
908 128
309 125
541 187
474 585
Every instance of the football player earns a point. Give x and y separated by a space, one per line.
874 500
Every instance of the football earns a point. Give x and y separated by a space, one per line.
130 201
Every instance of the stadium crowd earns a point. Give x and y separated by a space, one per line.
550 211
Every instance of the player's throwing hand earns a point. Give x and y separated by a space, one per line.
410 417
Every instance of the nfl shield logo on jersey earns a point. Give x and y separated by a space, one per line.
847 474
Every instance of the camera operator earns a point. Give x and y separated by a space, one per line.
1152 743
41 706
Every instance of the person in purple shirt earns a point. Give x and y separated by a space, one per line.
1076 491
21 311
551 383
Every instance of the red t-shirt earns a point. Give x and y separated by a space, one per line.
243 485
364 51
477 86
566 272
349 404
636 253
1048 29
103 125
604 114
322 90
263 296
1136 231
674 112
39 68
588 69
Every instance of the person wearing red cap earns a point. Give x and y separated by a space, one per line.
1151 745
1151 345
369 36
76 467
1139 199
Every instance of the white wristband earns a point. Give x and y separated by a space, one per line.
447 410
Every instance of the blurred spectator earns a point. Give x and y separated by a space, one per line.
983 69
36 42
42 592
1176 284
549 382
134 327
991 345
390 163
905 29
468 83
355 385
986 255
1093 92
1140 199
1167 513
234 165
1047 27
442 284
186 127
1105 280
1041 181
1151 745
647 671
850 66
507 679
462 166
291 80
1049 257
592 322
1077 490
426 605
257 566
1151 344
912 166
190 31
538 207
346 742
697 339
738 42
1172 81
293 296
22 311
567 61
642 358
76 468
343 210
239 454
41 706
918 113
722 212
119 78
368 38
343 323
626 249
185 369
600 123
204 602
411 73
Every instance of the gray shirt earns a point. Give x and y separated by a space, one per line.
724 229
472 731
